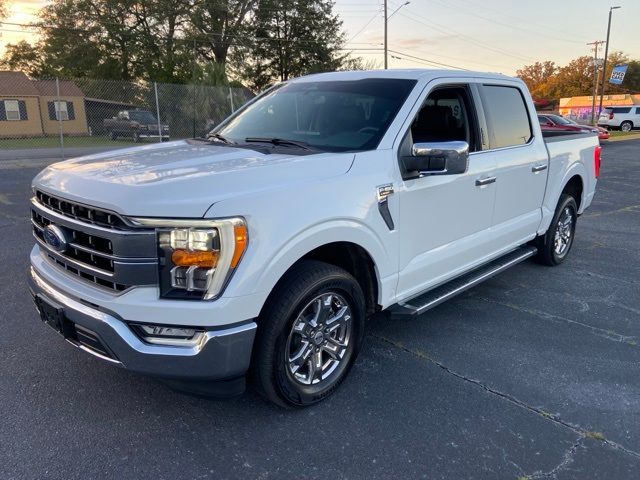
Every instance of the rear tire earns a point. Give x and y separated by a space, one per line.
555 244
113 136
136 137
309 334
626 126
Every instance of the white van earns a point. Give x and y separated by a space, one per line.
620 118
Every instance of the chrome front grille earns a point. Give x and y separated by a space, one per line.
82 213
108 256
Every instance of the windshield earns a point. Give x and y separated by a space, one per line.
142 117
331 115
560 120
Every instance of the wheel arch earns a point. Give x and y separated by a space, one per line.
356 250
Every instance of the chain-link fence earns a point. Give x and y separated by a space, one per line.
65 117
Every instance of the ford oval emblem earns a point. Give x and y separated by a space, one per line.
54 237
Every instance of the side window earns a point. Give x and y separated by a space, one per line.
621 110
446 115
638 111
507 116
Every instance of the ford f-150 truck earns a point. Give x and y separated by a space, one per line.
262 250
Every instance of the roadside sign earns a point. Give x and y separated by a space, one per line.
617 75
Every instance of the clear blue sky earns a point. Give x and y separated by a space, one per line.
494 35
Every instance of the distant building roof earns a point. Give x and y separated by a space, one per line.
47 88
16 84
623 99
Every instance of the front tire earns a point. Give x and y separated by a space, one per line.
309 334
626 126
555 244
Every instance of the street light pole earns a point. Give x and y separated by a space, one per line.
595 44
386 47
604 65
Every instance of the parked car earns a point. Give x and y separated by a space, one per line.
324 200
557 123
620 118
603 133
135 124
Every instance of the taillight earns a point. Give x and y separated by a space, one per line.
611 116
596 160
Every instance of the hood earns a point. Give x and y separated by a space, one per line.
180 179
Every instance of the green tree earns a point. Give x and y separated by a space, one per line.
24 57
291 38
119 40
219 25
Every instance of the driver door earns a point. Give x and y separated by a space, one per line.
445 218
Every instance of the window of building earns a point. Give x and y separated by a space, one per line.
62 113
12 109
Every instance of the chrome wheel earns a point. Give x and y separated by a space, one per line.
319 339
564 232
626 127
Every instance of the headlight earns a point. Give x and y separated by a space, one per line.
197 258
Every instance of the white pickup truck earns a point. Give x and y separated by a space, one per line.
264 248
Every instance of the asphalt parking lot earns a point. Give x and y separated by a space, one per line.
534 374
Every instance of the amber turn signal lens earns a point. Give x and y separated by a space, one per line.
241 237
185 258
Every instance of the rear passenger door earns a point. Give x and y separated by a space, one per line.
521 163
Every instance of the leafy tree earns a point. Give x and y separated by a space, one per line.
23 56
292 38
3 10
218 25
538 77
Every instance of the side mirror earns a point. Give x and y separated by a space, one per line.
438 158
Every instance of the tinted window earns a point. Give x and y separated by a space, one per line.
507 115
142 117
445 116
621 110
638 111
330 115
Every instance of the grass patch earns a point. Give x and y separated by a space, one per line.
595 436
621 134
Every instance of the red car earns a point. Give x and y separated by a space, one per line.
557 123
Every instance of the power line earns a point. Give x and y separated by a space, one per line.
433 62
507 25
461 36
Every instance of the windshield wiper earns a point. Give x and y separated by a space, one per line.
219 137
279 141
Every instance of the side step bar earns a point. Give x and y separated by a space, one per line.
429 299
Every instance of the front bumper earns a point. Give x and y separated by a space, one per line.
221 354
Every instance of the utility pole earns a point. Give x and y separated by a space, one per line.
386 21
595 44
386 46
604 65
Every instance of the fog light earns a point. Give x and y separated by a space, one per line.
164 335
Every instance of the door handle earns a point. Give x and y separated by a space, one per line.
538 168
481 182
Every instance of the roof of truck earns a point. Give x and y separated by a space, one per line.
409 73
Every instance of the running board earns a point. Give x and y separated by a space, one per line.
431 298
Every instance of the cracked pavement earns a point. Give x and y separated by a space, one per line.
533 374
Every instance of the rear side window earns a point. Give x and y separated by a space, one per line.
638 111
621 110
507 116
